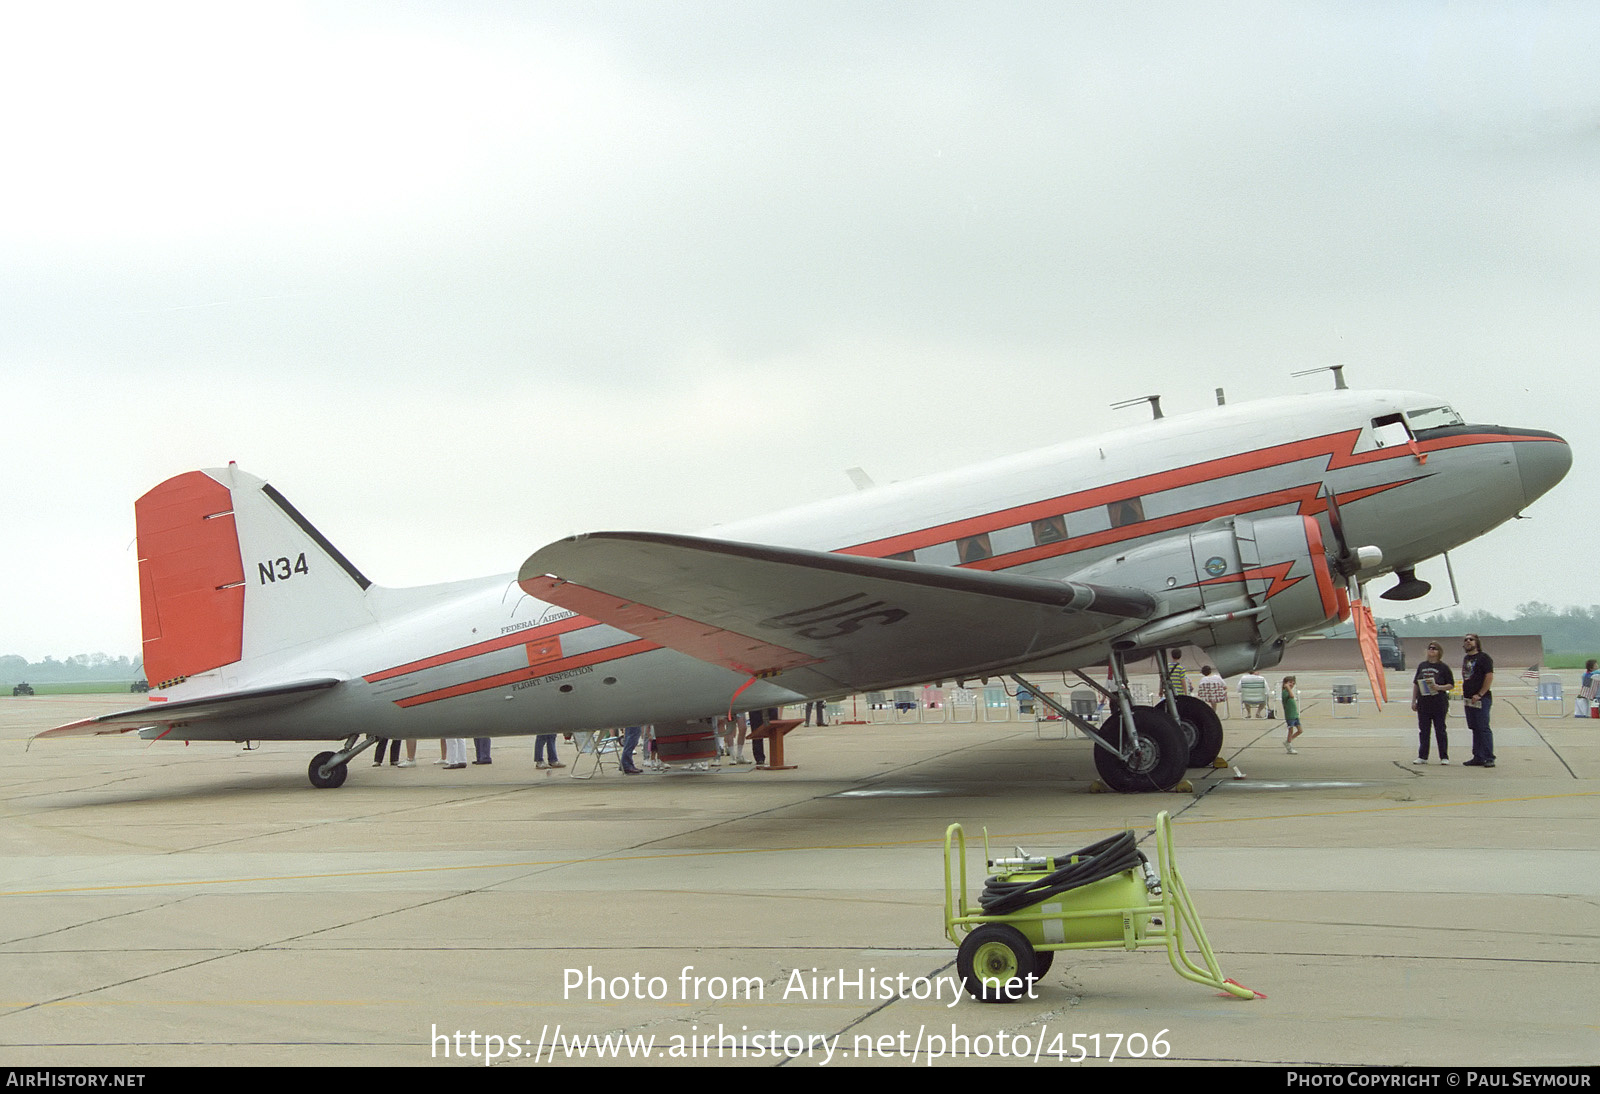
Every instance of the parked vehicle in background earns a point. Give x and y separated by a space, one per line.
1390 651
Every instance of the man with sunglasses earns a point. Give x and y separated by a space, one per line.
1477 676
1430 698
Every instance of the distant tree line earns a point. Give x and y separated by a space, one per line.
78 668
1572 631
1565 630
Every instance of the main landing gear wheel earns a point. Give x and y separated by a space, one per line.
1201 727
997 964
1157 764
1185 727
335 778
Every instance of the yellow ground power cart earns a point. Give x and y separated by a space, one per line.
1106 896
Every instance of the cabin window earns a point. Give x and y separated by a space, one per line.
1049 530
1125 512
1004 541
974 548
1390 430
939 554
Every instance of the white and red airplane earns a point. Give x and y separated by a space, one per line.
1234 529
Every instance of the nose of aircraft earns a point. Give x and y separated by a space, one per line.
1542 463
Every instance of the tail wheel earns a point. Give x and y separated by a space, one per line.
996 964
1203 729
1157 764
333 779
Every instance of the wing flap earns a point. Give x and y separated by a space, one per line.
205 709
857 622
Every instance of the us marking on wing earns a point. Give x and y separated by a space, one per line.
812 622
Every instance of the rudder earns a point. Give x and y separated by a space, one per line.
191 580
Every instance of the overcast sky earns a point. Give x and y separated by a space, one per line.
461 278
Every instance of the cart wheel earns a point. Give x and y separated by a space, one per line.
1042 960
996 963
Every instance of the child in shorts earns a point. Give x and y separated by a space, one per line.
1291 714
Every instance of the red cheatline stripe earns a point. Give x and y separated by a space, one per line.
517 676
1337 447
1303 497
505 641
1191 475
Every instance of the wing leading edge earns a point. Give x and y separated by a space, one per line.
852 623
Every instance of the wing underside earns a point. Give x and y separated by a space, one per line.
825 621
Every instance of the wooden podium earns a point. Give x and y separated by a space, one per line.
773 733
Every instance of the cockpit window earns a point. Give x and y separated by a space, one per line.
1389 430
1432 417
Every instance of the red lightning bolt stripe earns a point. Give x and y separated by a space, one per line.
1278 574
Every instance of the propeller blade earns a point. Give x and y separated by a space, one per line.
1336 522
1367 641
1349 562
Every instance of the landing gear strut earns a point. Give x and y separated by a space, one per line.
1137 748
1156 757
328 769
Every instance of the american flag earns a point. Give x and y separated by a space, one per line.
1532 674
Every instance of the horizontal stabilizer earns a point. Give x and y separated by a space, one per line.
858 622
231 704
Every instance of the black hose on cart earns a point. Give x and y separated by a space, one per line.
1096 862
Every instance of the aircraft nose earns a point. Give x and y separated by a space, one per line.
1542 463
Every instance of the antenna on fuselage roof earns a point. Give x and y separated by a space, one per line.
1338 375
1153 400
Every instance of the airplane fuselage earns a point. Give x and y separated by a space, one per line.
482 658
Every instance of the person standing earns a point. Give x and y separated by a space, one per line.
1477 677
1291 714
1176 676
630 741
758 745
544 752
1431 700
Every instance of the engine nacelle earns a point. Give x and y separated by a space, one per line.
1241 588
